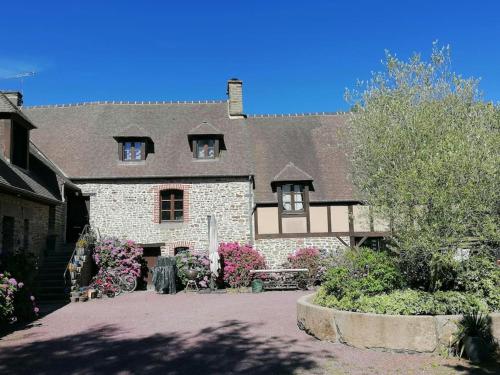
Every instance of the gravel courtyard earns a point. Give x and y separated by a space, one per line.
145 333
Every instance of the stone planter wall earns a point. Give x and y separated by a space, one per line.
402 333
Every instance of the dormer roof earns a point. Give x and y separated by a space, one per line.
6 106
291 173
205 128
133 131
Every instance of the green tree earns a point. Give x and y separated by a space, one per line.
425 151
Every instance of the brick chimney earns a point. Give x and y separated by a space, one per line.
235 98
15 97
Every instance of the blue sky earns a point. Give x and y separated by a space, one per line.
293 56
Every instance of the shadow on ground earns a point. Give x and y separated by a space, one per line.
229 348
489 368
45 309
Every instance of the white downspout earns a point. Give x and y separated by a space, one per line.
250 209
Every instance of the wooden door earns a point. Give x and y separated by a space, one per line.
150 255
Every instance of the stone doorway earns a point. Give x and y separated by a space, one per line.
150 255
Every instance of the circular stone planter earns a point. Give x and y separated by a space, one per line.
401 333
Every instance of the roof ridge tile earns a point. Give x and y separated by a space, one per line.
305 114
122 102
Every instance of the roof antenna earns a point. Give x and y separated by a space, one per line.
21 77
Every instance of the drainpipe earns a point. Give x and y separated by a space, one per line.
63 198
250 208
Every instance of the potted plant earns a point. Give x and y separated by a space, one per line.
192 274
80 246
72 271
474 337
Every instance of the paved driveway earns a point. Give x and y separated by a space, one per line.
144 333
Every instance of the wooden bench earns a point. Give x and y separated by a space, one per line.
281 280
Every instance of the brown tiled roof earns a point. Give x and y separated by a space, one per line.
133 131
311 143
40 182
80 139
205 128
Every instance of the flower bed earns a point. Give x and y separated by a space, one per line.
123 257
371 282
378 331
16 303
237 262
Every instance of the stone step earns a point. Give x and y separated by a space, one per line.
56 261
42 277
43 297
51 282
58 256
51 289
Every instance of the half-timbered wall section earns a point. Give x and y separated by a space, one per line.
320 220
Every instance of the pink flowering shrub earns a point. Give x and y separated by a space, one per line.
125 257
16 303
310 258
237 262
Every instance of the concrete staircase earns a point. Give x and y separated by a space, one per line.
50 281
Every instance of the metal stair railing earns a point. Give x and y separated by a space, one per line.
87 232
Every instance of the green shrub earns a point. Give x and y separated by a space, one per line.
406 302
443 270
363 272
480 275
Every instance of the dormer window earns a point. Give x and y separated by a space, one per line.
132 149
206 148
206 141
292 186
292 197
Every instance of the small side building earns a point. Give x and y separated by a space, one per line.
32 211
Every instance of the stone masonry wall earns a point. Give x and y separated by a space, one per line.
130 210
276 250
37 215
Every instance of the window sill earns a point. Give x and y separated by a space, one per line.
293 213
172 223
133 162
205 160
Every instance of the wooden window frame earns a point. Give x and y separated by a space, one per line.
305 200
206 157
172 210
121 149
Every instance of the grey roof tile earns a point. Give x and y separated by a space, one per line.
39 182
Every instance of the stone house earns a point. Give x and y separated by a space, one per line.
31 206
153 171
